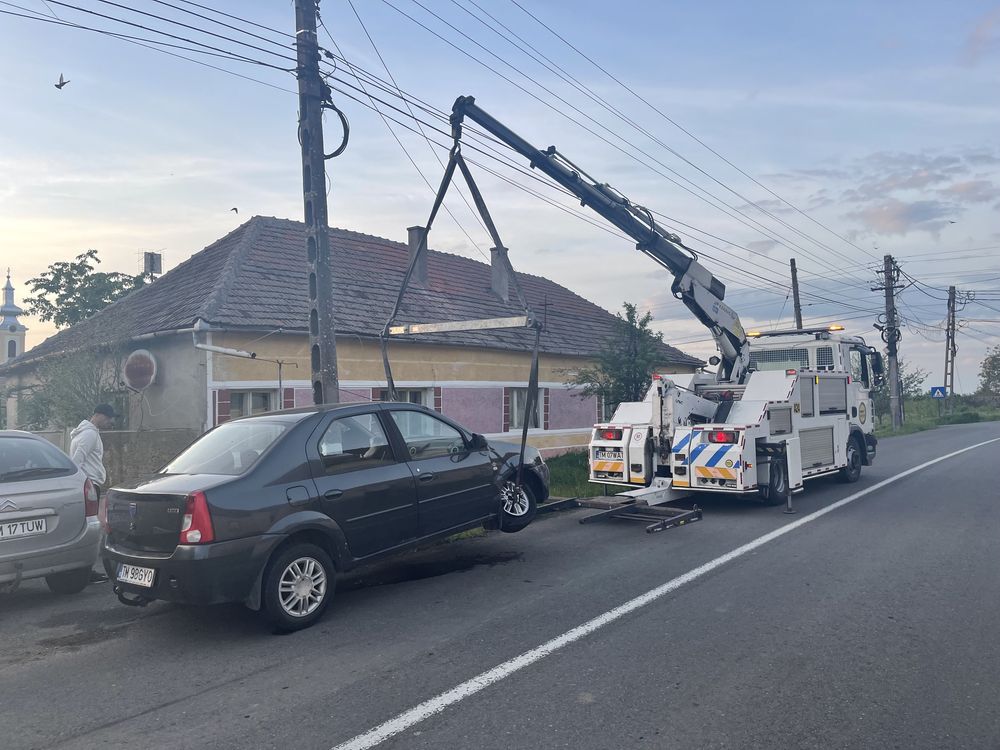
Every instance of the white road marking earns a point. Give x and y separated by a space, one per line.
428 708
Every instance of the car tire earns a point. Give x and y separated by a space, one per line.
777 484
298 586
852 472
517 510
69 581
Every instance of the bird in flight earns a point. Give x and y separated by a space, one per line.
235 210
62 82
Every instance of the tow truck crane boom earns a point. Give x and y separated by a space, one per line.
694 285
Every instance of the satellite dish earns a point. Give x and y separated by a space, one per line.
140 370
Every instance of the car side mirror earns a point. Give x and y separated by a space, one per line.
478 442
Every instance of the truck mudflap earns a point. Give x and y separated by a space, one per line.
871 444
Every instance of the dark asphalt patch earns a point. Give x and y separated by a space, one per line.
419 569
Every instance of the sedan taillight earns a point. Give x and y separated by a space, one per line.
90 503
196 528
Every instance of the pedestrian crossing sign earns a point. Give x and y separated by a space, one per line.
938 391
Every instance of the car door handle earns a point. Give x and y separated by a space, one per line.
333 494
425 477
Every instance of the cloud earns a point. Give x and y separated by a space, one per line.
972 191
893 216
984 36
762 246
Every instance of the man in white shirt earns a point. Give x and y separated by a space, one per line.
86 448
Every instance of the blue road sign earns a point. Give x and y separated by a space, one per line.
938 391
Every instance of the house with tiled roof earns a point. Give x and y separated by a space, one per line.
248 292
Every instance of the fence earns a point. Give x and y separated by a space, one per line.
131 456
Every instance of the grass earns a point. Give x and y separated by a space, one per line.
568 477
925 419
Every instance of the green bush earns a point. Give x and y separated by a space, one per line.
963 417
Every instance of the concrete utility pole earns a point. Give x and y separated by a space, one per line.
891 337
313 93
795 294
950 350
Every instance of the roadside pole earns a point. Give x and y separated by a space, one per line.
891 337
795 294
313 95
950 350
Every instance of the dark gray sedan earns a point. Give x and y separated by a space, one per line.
267 510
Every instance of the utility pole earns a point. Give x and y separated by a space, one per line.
891 335
950 350
795 294
313 95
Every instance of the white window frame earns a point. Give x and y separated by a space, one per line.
516 406
272 398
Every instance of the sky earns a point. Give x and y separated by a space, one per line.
831 132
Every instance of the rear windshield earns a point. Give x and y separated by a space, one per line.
23 458
230 449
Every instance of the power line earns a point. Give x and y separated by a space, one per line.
688 133
742 216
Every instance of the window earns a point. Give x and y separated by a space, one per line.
353 443
856 372
26 458
518 400
779 359
427 437
824 358
409 396
248 403
230 449
11 349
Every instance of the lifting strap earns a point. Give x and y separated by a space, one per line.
456 160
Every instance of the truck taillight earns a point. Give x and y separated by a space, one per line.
196 527
609 434
90 503
721 436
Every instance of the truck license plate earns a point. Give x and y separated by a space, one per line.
136 576
27 527
609 455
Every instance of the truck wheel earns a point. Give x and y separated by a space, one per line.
852 472
777 483
298 586
69 581
517 509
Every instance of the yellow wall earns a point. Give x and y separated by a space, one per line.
362 360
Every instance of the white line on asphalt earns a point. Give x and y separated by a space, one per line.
428 708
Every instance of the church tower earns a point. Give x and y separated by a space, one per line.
12 331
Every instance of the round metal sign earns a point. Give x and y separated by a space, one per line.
140 370
862 412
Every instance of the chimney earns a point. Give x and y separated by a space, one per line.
499 280
414 237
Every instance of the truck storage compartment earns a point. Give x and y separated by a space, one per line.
817 447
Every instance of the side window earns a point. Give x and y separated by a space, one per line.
856 373
427 437
352 443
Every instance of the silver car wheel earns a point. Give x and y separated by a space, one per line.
302 587
515 499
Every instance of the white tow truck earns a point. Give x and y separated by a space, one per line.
782 407
806 397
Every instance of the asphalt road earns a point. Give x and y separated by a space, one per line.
876 625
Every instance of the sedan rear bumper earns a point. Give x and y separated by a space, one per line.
196 574
79 553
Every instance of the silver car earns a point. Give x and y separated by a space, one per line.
48 516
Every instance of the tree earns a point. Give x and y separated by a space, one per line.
70 292
69 387
625 365
989 377
912 386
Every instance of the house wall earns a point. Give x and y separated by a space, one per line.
178 397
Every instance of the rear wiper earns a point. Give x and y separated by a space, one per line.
37 471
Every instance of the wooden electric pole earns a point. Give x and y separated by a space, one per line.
950 350
795 294
313 94
891 337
